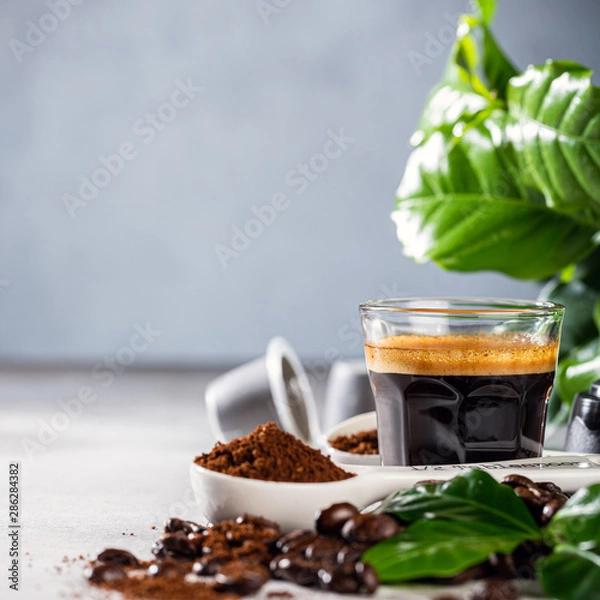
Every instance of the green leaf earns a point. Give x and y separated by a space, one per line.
578 370
579 300
472 496
578 521
556 133
459 205
570 573
439 549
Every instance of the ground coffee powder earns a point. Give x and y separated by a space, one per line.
272 455
362 442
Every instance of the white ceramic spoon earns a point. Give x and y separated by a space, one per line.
294 505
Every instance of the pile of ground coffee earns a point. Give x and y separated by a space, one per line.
362 442
236 557
272 455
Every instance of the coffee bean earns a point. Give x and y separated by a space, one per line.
240 578
115 556
552 507
351 552
528 495
324 548
367 577
331 520
370 528
173 525
340 578
295 541
549 487
102 573
174 545
296 568
514 480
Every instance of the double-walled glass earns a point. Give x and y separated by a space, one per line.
460 380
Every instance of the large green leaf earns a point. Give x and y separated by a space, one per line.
472 496
570 573
556 132
439 549
460 205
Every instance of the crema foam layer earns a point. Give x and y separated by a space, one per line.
461 355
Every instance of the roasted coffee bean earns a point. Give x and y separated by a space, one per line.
164 567
551 507
173 525
514 480
206 566
296 568
174 545
103 573
495 589
340 579
295 541
528 495
367 577
240 578
115 556
550 487
330 521
324 548
351 552
370 528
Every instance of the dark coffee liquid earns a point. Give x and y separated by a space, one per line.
428 419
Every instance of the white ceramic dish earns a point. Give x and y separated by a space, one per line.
362 422
294 505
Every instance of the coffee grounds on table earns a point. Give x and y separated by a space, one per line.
361 442
272 455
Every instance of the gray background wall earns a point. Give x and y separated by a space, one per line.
144 249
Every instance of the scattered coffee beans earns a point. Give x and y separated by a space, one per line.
237 557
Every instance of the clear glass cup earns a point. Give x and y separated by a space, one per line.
460 380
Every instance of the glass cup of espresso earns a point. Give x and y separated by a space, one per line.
460 380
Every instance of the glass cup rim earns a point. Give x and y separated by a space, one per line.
463 307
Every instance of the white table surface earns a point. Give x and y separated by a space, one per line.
116 471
